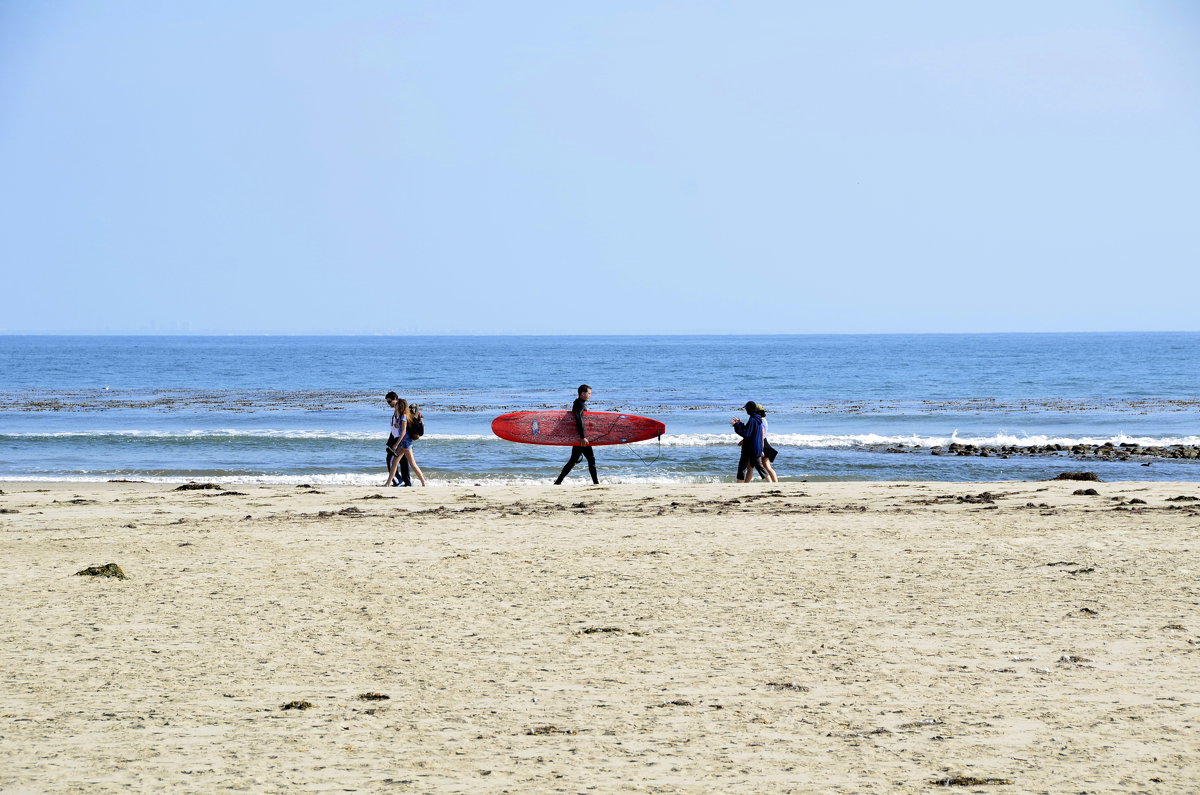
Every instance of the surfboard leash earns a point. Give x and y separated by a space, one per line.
655 459
632 447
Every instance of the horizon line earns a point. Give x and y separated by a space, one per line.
5 333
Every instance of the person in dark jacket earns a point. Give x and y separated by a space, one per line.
754 444
744 461
584 448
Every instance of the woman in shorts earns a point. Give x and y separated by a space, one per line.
401 441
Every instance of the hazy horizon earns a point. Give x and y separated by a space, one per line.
631 168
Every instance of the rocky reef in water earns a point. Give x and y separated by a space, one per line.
1125 451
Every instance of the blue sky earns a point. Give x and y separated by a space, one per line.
616 167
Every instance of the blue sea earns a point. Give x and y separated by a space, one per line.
311 409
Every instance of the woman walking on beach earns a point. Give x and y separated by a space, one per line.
401 440
754 444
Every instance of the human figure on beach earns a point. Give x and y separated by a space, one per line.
416 428
754 444
402 478
401 440
584 448
744 459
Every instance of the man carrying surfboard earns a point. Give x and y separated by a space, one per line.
584 448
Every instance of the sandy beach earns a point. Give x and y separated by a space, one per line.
797 637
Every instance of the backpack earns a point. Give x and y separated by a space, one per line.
416 427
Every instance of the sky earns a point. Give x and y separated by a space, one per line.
620 167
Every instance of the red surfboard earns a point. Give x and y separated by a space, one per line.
558 427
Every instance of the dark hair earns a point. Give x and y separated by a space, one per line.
753 408
391 396
583 388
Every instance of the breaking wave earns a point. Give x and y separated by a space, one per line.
864 440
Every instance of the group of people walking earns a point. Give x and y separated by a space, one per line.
757 453
408 425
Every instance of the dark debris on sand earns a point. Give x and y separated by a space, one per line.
1092 476
969 781
788 686
198 487
607 630
107 570
350 511
542 731
297 705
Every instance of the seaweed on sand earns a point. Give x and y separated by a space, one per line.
603 630
542 731
969 781
107 570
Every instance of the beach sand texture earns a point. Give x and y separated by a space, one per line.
797 637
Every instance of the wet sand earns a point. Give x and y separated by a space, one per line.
798 637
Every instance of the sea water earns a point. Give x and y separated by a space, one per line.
311 409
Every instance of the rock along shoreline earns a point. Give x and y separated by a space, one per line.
1125 451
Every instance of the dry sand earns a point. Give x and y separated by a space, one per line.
799 637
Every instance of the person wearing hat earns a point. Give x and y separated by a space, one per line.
739 427
754 443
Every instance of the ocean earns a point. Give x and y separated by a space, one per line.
294 410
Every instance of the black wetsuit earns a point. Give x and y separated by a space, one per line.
579 450
747 458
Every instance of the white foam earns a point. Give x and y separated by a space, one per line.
668 440
878 440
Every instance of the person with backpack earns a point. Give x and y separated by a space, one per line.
405 420
744 461
754 444
416 429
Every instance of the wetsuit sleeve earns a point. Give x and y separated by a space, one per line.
577 410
